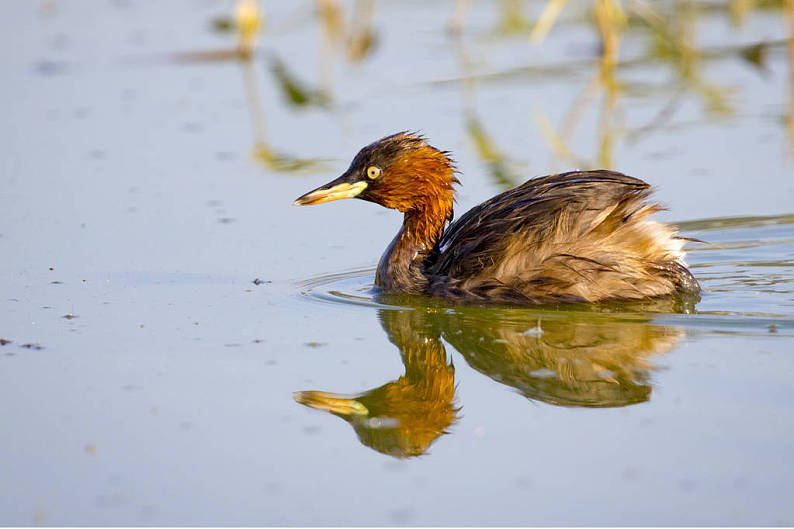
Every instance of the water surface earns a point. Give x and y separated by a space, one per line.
181 346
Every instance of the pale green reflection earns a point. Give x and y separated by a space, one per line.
565 358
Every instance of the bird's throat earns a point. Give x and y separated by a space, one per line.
401 268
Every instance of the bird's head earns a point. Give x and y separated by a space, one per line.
401 172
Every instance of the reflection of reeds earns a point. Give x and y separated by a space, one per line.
248 18
738 10
262 151
669 28
511 18
48 7
672 42
362 34
496 162
611 21
546 20
789 119
247 21
332 24
295 92
674 37
360 37
251 84
459 14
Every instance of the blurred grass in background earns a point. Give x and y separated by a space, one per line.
667 30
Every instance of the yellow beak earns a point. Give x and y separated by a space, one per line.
327 194
338 404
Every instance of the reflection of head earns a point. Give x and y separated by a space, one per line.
580 360
401 418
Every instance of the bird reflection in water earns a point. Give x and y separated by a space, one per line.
579 361
576 359
401 418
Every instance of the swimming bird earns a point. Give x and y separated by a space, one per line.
580 236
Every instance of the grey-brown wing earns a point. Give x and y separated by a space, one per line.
541 208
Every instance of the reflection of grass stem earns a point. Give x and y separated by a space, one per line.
458 17
362 36
330 15
262 150
511 18
496 162
675 37
611 21
739 10
789 6
295 92
254 104
554 140
578 108
248 18
546 20
661 118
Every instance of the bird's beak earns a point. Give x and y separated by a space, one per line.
336 190
336 404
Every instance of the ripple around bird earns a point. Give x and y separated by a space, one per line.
745 266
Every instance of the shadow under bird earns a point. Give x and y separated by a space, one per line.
582 236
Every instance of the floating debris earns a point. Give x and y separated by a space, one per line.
535 331
50 68
223 24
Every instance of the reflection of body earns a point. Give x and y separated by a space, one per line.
573 359
401 418
568 362
572 237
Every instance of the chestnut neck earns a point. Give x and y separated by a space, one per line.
420 184
401 268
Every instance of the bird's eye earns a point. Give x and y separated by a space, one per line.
373 172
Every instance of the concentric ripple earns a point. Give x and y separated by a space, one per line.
354 287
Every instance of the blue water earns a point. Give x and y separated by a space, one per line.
181 346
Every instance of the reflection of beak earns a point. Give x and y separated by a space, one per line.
337 404
335 190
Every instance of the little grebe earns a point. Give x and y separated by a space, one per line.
571 237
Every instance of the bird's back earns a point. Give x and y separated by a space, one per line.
578 236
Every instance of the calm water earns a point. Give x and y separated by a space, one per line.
181 346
